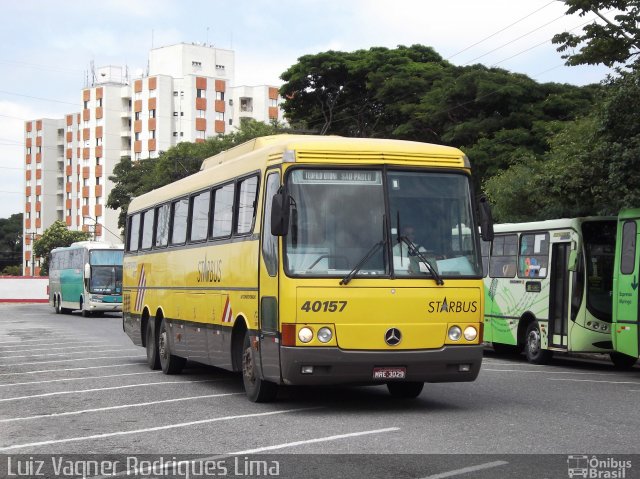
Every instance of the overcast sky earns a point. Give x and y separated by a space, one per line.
48 46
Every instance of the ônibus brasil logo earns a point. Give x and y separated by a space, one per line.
597 468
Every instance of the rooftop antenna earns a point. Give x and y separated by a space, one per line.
93 73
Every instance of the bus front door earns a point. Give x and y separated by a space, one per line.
269 307
626 317
559 295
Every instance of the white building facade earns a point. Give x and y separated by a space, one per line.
187 95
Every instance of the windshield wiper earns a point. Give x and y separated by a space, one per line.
413 250
374 249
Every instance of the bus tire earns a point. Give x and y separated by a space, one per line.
169 363
533 346
153 358
56 305
257 390
406 390
85 313
622 361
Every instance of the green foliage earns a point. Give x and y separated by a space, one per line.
15 270
55 236
11 241
615 40
410 93
134 178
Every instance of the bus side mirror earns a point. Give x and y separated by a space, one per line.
573 261
486 219
280 214
87 271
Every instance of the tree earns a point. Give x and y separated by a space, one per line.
134 178
11 241
55 236
615 41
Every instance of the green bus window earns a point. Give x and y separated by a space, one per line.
180 210
248 190
504 250
628 259
534 255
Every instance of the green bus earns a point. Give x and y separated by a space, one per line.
548 288
86 276
626 313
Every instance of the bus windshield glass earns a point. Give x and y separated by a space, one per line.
106 271
338 216
599 246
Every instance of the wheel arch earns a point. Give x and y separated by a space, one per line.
237 339
525 320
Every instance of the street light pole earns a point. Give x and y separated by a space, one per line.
95 224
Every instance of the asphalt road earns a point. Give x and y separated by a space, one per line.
77 388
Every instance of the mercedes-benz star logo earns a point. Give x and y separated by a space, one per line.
393 337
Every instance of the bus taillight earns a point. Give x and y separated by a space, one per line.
288 334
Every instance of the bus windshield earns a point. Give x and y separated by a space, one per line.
599 246
338 216
106 271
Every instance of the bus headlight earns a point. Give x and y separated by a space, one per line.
454 333
324 335
305 335
470 333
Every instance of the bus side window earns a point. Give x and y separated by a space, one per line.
628 258
534 255
200 216
222 211
147 229
504 252
162 226
270 242
247 196
179 213
134 232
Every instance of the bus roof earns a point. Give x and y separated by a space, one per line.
90 245
629 213
562 223
255 154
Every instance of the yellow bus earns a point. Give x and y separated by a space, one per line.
308 260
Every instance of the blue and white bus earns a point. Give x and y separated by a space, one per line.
86 276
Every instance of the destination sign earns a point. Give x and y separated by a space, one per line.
348 177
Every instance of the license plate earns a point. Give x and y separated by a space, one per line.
389 373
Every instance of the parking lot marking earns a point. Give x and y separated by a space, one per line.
547 372
76 379
74 369
81 391
467 470
114 408
151 429
71 360
47 340
21 348
312 441
119 350
594 381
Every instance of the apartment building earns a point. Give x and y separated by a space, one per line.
187 94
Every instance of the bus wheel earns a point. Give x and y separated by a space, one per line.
257 390
56 305
153 358
622 361
169 363
408 390
85 313
533 346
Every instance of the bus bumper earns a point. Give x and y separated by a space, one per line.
337 366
